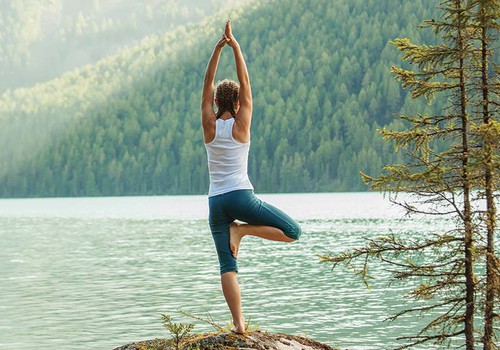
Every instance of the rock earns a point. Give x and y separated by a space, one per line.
229 341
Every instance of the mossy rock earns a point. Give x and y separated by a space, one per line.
231 341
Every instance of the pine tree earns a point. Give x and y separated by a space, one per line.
448 156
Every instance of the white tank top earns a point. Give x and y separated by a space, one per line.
227 160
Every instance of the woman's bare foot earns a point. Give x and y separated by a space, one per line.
239 328
235 236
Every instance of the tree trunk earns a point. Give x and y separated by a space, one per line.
490 202
467 214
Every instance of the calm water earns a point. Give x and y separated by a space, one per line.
96 273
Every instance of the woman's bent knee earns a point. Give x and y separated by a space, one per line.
294 231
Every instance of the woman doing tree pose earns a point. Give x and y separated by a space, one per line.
231 197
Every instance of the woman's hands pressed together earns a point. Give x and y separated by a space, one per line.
228 33
227 38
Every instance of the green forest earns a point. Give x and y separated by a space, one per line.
130 123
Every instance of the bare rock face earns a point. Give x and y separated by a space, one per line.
229 341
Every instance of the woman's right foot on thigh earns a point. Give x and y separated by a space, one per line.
235 236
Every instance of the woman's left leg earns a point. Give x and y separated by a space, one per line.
219 226
232 294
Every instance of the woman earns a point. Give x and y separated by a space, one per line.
227 140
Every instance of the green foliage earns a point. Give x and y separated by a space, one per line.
130 124
179 331
208 319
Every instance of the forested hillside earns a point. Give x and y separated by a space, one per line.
131 125
40 39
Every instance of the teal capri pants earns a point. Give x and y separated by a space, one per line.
243 205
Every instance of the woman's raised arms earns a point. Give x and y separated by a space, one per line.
243 117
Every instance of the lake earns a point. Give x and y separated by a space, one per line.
97 273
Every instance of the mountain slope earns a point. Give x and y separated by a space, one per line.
42 39
130 124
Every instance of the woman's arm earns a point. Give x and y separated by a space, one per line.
207 97
244 115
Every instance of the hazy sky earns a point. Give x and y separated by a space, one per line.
42 39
